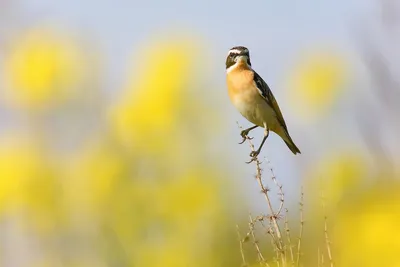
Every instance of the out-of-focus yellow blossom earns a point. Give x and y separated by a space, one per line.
317 81
166 255
154 216
366 232
94 176
329 182
180 210
336 175
42 69
148 114
127 207
201 197
27 182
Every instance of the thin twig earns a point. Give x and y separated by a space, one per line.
255 242
277 253
301 204
274 240
265 190
287 230
273 216
241 247
319 257
269 230
327 241
281 194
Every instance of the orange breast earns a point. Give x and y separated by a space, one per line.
239 80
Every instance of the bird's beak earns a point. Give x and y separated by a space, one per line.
241 59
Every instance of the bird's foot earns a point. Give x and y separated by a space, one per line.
244 134
253 156
251 160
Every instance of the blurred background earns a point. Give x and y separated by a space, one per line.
119 146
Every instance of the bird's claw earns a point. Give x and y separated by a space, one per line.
253 156
243 134
245 138
251 160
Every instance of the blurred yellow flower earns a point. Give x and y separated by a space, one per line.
172 254
366 232
117 207
147 115
27 181
189 197
183 209
317 81
336 175
92 177
42 69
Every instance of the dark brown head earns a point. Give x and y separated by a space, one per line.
237 54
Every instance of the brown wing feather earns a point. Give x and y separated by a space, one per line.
266 93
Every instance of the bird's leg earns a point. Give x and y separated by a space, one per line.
254 154
245 132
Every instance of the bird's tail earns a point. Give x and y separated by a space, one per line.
292 146
289 142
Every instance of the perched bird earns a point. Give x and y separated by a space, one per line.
251 95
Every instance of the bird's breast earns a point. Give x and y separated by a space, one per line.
245 97
253 107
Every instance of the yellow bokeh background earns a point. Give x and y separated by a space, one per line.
318 79
132 192
43 68
142 178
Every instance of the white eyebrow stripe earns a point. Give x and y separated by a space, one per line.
237 51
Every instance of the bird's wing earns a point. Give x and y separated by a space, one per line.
266 93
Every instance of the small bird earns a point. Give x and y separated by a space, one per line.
251 95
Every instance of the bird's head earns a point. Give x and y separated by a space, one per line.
237 55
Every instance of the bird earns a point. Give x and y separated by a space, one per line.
253 98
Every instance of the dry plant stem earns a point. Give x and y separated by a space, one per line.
327 241
281 194
255 242
301 228
273 216
319 257
277 254
241 247
287 230
269 230
274 241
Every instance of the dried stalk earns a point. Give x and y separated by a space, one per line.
319 257
287 230
273 216
327 241
301 228
255 242
241 247
281 194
